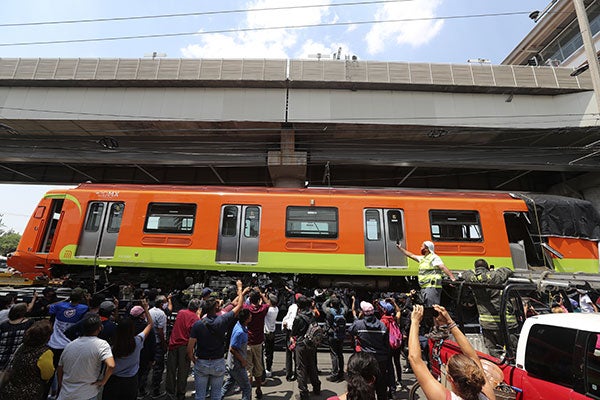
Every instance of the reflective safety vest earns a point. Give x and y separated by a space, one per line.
488 300
430 276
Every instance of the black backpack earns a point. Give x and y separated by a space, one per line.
315 333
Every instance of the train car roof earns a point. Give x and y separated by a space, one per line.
300 191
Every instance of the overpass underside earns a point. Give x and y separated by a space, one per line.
276 122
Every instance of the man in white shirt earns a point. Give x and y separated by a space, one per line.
287 323
585 303
159 318
270 323
81 362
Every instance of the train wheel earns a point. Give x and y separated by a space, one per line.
416 393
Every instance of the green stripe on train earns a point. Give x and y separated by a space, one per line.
279 262
64 196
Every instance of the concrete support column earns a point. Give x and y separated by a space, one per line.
585 187
287 167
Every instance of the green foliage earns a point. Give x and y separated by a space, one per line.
9 241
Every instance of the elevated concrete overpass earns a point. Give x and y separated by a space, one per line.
287 122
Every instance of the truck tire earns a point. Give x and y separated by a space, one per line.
416 393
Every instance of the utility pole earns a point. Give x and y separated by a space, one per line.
590 49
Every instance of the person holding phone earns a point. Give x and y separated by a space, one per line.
465 372
431 271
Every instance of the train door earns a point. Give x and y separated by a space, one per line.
238 234
100 229
523 250
51 223
383 229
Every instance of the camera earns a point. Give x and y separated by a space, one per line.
429 313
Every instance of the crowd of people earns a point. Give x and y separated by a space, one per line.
92 347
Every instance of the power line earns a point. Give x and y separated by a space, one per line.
196 14
511 117
258 29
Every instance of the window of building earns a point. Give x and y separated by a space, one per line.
170 218
455 225
312 222
569 40
549 354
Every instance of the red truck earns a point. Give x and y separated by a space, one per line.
557 356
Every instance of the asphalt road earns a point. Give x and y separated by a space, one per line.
278 388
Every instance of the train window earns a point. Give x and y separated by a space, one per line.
251 222
455 225
394 219
312 222
115 217
229 224
373 225
94 218
39 212
170 218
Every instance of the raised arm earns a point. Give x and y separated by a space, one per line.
407 253
464 344
240 299
32 302
397 310
149 323
433 389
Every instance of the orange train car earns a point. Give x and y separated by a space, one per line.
336 236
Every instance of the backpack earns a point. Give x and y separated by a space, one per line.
315 333
395 335
339 325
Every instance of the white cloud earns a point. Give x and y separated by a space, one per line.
413 33
261 44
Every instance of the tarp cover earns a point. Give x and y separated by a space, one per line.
562 216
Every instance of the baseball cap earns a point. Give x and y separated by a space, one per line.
387 307
136 311
367 308
206 291
430 246
107 306
273 298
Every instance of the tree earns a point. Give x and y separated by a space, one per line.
9 241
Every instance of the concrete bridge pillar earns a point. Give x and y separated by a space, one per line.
287 167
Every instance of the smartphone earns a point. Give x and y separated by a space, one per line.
429 313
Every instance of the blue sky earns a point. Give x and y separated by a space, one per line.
446 31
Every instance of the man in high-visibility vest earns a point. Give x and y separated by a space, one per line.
431 271
488 306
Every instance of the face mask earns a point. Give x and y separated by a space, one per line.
165 306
